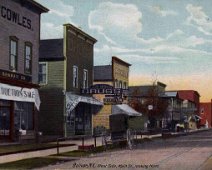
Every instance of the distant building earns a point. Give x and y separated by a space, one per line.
116 76
19 41
149 100
66 67
206 114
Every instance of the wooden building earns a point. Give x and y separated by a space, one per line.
19 51
66 67
117 76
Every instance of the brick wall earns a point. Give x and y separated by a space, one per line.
10 28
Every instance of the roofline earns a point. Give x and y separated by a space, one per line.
38 5
106 80
103 65
118 59
190 91
51 59
80 31
51 39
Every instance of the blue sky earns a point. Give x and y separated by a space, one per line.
169 39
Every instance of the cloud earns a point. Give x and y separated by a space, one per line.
112 18
158 10
199 19
59 14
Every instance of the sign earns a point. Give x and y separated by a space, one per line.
15 76
8 92
15 17
112 100
150 107
102 89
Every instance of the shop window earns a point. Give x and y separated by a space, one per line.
23 116
5 118
28 58
42 73
13 53
85 78
75 76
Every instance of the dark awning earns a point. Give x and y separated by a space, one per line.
72 101
124 109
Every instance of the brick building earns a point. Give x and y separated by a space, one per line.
206 114
19 51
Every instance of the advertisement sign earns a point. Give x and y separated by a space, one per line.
8 92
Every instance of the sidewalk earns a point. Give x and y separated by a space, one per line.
47 152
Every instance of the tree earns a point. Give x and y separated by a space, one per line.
151 104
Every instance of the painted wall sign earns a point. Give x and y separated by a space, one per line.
15 17
15 76
15 93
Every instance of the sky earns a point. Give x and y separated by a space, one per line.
165 40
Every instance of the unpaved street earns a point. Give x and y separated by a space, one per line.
180 153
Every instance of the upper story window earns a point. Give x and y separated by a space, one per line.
42 77
13 53
28 58
120 84
75 76
85 78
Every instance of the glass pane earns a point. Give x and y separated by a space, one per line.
4 121
12 61
28 51
13 47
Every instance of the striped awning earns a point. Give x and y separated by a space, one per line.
72 101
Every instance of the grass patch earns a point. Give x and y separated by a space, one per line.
31 163
4 150
98 149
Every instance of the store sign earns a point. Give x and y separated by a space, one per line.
16 17
15 76
102 89
15 93
112 100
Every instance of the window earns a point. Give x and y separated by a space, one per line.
13 53
75 76
23 116
42 73
120 84
85 78
28 58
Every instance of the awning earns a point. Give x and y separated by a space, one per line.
72 101
15 93
124 109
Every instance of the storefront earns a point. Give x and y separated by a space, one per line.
17 111
79 110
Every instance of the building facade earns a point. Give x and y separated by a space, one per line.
66 67
117 77
206 114
19 40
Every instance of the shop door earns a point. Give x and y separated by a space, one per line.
79 120
5 127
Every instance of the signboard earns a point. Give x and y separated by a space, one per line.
102 89
150 107
15 76
112 100
15 17
15 93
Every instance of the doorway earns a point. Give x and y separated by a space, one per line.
5 120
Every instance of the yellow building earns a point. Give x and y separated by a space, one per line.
115 75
